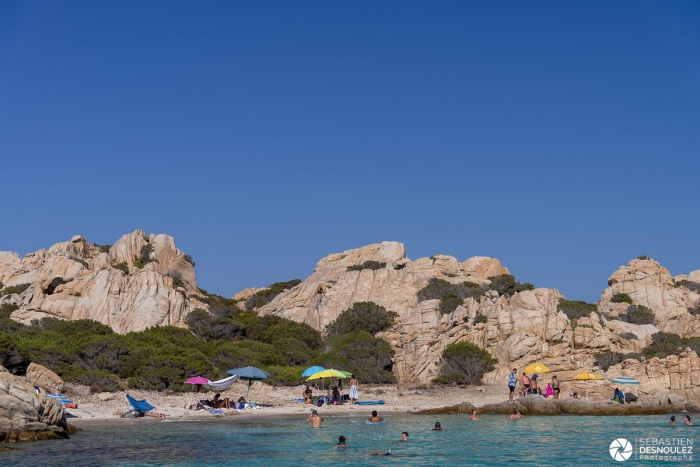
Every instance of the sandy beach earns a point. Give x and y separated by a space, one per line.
279 401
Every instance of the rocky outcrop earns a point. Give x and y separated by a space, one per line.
651 285
518 329
660 403
119 286
41 376
26 416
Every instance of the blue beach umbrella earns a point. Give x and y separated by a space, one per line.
250 373
625 380
311 370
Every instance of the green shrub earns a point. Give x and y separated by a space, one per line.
629 336
695 311
144 256
605 360
465 359
507 285
98 381
452 379
367 357
576 309
638 314
367 316
14 289
643 257
263 297
122 267
373 265
664 344
450 295
621 298
211 327
103 248
285 375
694 286
189 259
479 318
8 308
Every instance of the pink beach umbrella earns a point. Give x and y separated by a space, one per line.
198 380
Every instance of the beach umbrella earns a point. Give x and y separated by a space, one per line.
250 373
311 370
198 380
536 368
625 380
587 376
326 374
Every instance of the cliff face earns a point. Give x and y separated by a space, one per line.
139 282
519 329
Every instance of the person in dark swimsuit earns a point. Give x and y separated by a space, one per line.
555 386
533 384
525 383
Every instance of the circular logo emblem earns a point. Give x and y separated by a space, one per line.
620 449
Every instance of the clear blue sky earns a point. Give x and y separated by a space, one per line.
561 137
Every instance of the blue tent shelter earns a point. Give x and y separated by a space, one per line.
141 406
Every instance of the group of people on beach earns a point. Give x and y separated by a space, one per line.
336 397
530 385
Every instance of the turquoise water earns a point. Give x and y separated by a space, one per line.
493 440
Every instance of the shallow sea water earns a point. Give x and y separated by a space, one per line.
493 440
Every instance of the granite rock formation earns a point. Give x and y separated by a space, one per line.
139 282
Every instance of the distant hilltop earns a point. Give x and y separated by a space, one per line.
144 280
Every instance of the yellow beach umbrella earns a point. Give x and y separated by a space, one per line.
587 376
326 374
536 368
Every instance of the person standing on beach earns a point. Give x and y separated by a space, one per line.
525 383
512 381
555 386
315 419
354 396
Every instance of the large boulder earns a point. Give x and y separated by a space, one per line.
26 416
41 376
79 280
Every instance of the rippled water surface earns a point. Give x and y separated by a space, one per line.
493 440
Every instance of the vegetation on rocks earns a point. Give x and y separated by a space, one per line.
368 316
464 363
638 314
265 296
373 265
576 309
507 285
450 295
144 256
605 360
664 344
690 285
629 336
621 298
13 289
122 267
103 248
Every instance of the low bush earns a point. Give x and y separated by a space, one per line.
212 327
664 344
507 285
629 336
122 267
576 309
366 316
103 248
695 311
605 360
621 298
452 379
189 259
367 357
263 297
450 295
465 362
690 285
144 256
643 257
8 307
479 318
638 314
14 289
285 375
373 265
98 381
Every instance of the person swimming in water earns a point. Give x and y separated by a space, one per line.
438 427
474 416
380 453
341 442
687 421
404 436
315 419
673 420
375 418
